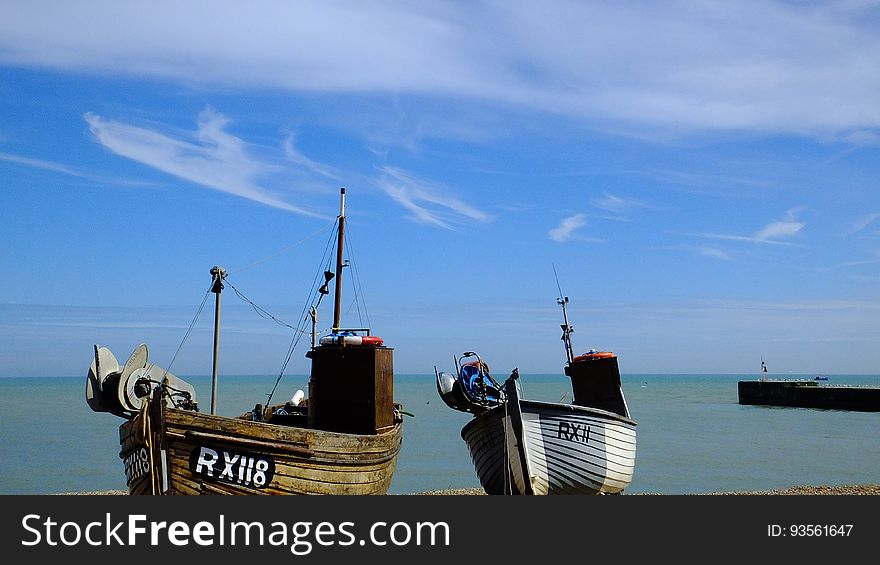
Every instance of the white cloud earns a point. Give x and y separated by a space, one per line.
215 159
296 157
425 200
861 223
70 171
566 228
772 233
873 259
616 205
715 253
41 164
764 66
786 227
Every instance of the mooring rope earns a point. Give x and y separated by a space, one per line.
147 434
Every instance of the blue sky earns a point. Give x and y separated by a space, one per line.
703 176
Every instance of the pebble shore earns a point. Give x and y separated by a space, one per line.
795 490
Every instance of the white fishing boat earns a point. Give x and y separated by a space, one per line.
530 447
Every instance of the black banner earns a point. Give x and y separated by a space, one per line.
435 529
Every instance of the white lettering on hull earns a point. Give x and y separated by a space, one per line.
238 468
137 464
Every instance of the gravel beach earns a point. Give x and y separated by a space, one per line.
798 490
795 490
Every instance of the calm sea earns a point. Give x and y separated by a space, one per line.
693 436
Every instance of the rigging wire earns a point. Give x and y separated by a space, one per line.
357 286
294 342
283 249
557 280
263 313
189 330
300 330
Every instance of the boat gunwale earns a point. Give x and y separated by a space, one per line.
562 408
269 426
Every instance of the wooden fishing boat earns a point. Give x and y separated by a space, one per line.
344 438
529 447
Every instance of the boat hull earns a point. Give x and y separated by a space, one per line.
565 449
172 451
809 394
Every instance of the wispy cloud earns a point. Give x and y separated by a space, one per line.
715 253
610 203
772 233
567 227
687 65
297 157
861 224
786 227
703 250
41 164
703 183
212 158
872 260
803 306
427 201
616 206
70 171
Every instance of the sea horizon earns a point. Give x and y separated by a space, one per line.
542 374
692 435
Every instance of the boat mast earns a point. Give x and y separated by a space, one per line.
218 273
339 244
566 329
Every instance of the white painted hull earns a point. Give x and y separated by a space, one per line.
547 448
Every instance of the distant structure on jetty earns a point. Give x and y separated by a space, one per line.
808 394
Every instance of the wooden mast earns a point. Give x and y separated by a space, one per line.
337 309
218 273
